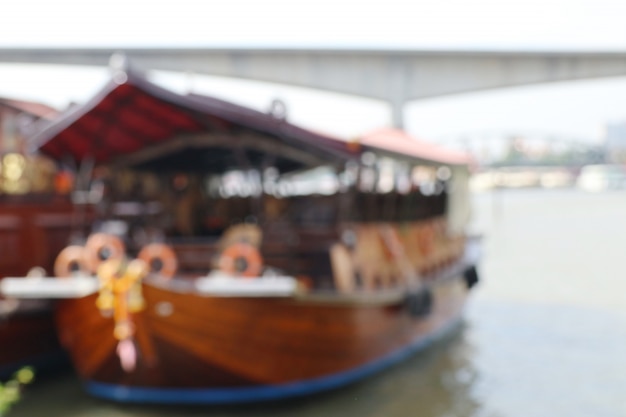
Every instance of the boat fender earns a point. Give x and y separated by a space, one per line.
101 247
241 259
160 258
470 275
71 261
419 303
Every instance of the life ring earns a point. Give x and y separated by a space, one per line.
160 258
101 247
239 233
70 261
241 259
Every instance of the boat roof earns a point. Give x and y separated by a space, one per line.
39 110
398 143
135 120
137 123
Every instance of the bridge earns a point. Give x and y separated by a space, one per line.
394 76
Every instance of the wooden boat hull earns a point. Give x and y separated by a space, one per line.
199 349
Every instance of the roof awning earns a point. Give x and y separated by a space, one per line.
141 123
398 143
134 122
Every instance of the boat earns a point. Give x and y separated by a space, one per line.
242 258
601 177
36 222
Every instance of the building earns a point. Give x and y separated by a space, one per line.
16 115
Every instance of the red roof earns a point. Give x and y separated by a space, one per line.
399 142
131 114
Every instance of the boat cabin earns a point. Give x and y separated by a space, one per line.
202 175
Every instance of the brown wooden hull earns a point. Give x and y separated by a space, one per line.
213 345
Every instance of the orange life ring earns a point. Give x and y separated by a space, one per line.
241 259
101 247
70 260
160 258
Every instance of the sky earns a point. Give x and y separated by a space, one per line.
572 109
534 24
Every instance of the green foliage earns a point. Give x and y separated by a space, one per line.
10 390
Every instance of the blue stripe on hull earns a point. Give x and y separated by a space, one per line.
261 393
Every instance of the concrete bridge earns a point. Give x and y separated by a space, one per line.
395 76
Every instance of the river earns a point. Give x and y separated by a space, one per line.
544 333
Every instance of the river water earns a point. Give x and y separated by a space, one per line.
544 334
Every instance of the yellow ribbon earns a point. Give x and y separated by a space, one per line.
120 293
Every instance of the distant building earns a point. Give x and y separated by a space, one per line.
15 114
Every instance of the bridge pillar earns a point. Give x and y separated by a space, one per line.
398 73
397 114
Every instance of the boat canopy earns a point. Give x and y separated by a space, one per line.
133 122
399 144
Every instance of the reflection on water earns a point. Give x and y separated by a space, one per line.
548 360
545 333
